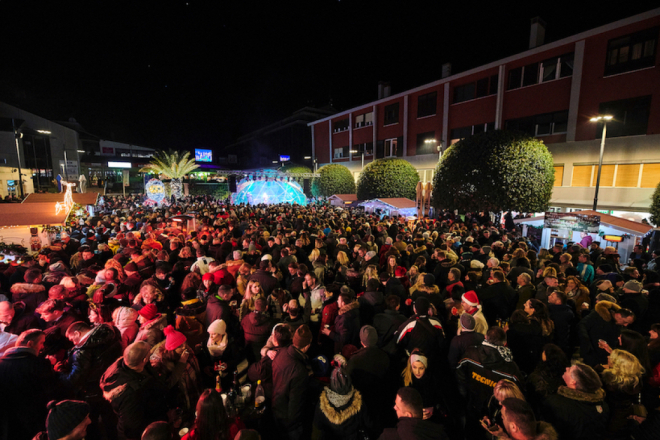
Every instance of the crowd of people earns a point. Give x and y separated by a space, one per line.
131 324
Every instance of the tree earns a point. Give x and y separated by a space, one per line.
333 179
495 171
295 168
173 165
392 177
655 206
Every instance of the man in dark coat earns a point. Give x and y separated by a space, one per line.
15 317
136 392
267 281
94 350
603 323
291 385
411 425
564 318
257 327
371 302
28 384
387 323
219 307
347 323
58 319
496 298
422 331
479 371
465 338
578 411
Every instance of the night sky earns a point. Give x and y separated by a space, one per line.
187 74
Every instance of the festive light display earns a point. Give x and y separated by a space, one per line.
269 192
155 190
177 188
68 199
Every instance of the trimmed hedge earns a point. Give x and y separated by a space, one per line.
334 179
392 177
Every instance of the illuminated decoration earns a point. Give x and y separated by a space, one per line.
203 155
271 192
613 238
155 190
284 158
177 188
67 204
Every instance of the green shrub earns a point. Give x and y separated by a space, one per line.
383 178
334 179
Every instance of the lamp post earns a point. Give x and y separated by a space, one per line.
603 118
356 151
313 160
17 136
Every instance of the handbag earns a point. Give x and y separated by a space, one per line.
639 409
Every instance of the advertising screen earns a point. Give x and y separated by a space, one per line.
284 158
203 155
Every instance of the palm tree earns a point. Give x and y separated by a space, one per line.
173 165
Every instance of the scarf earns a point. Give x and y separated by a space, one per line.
216 350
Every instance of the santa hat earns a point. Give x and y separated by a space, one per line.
173 338
471 298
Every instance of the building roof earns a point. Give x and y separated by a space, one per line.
623 224
88 198
346 197
31 214
398 203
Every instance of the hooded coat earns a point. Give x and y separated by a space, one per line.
257 327
190 320
290 388
347 326
577 415
30 294
599 324
125 323
340 416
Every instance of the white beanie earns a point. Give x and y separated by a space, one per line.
218 326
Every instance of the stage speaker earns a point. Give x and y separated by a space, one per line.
306 186
232 184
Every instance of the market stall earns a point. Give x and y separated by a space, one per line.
566 227
87 200
391 207
31 225
342 199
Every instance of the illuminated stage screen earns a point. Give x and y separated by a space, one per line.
203 155
256 192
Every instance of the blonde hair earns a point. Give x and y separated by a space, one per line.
314 255
369 273
70 282
419 283
626 371
507 388
185 252
247 305
519 253
342 258
158 295
407 372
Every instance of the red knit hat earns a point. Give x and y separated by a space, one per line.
173 338
400 272
471 298
149 312
207 276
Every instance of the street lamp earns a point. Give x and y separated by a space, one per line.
355 152
603 118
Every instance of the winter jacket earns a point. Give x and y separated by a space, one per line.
599 324
187 389
125 323
386 325
56 342
190 320
257 328
367 368
89 360
460 343
137 399
290 388
575 414
28 384
340 416
564 319
423 332
347 326
152 331
526 342
479 371
525 293
30 294
22 320
371 303
496 300
409 428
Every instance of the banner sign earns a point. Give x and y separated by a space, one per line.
573 221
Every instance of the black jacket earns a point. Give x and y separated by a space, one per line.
496 302
386 325
577 415
347 327
335 419
290 387
22 320
564 319
28 383
89 360
599 324
460 343
138 399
